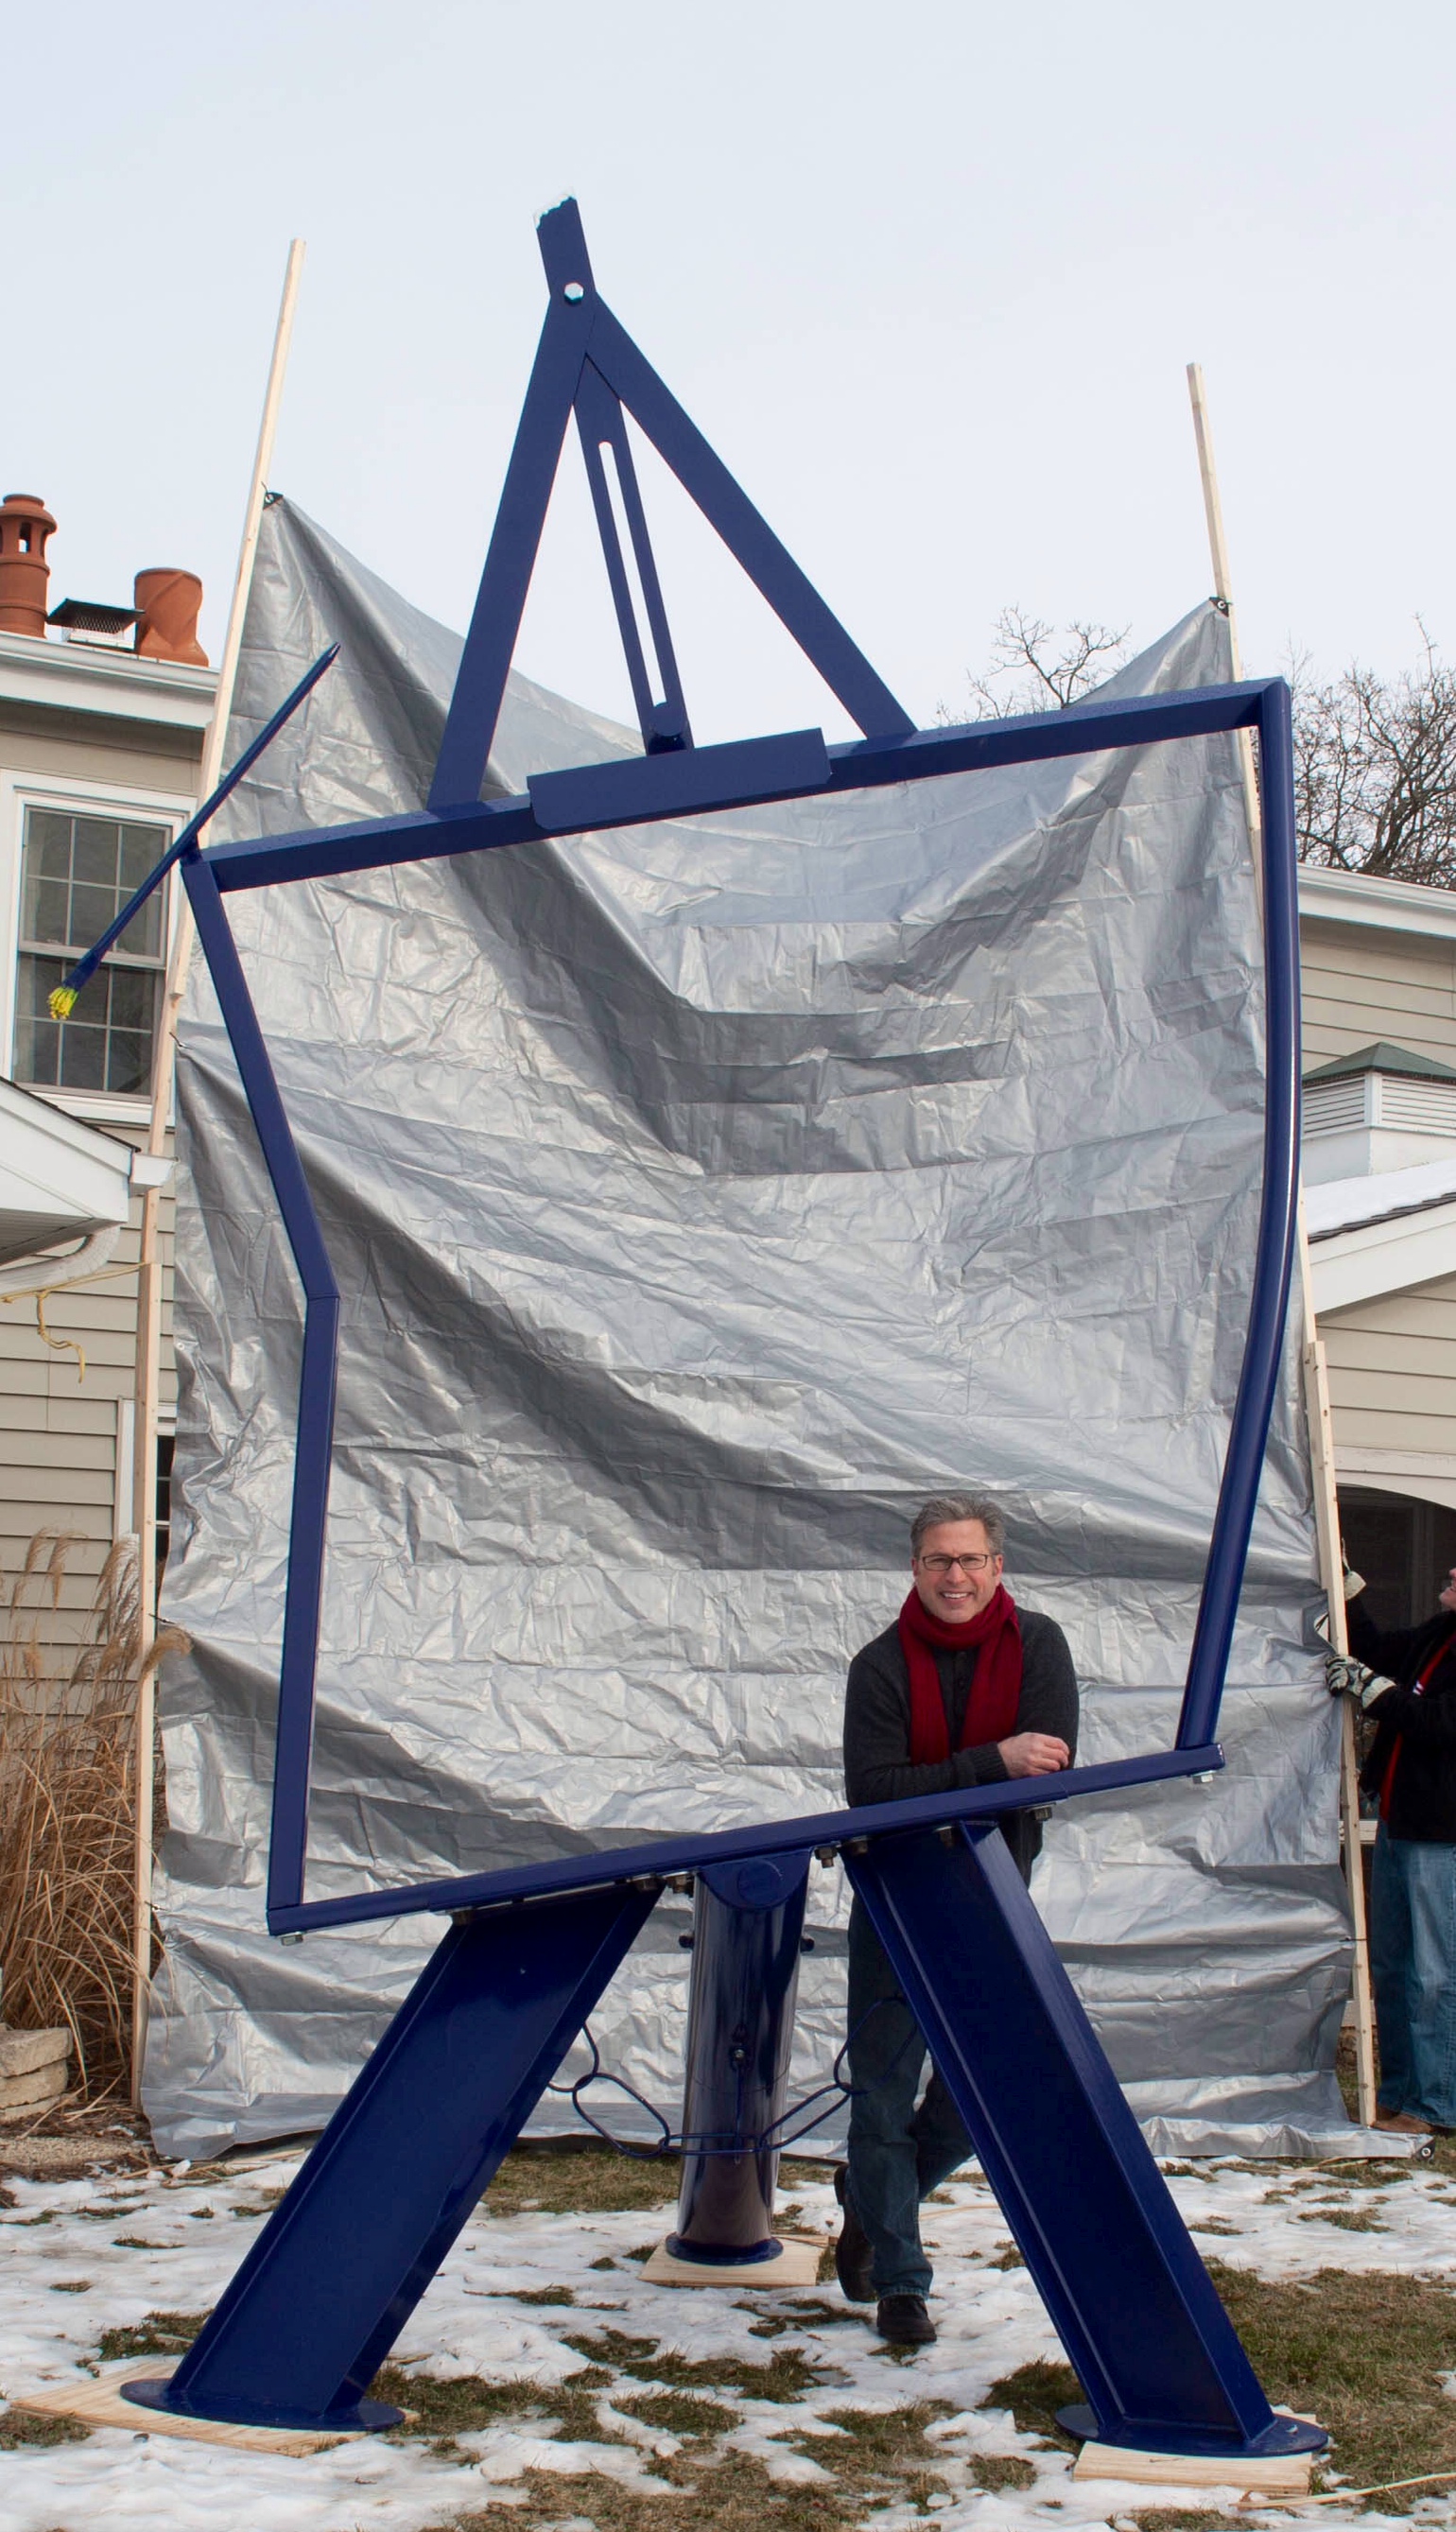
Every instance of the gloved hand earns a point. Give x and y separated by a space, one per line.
1344 1676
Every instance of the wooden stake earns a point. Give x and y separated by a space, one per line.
1223 592
1316 1377
148 1265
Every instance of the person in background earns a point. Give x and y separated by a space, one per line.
965 1689
1410 1771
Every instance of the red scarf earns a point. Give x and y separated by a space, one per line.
995 1689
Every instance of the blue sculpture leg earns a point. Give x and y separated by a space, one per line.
1109 2252
338 2269
748 1920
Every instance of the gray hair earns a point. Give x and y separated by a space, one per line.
944 1508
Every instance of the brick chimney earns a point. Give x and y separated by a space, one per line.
24 574
167 603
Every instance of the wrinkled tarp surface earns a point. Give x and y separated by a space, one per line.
702 1196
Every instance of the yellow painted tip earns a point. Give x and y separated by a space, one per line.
62 1002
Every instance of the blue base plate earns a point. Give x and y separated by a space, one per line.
373 2416
1280 2436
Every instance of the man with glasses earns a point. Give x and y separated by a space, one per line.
965 1689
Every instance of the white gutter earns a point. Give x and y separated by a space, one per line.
70 676
1377 905
1376 1257
60 1181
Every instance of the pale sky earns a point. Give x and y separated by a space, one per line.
927 277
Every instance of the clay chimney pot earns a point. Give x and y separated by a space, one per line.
167 602
24 574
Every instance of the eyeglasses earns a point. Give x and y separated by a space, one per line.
941 1566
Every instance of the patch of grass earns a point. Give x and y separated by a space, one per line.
161 2333
1010 2257
538 2294
583 2180
1349 2219
1364 2355
1361 2353
21 2427
1174 2518
735 2495
463 2405
679 2413
1001 2470
880 2444
878 2455
1364 2175
607 2262
1213 2224
134 2242
786 2374
809 2313
1033 2394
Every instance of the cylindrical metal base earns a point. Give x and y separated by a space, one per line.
747 1921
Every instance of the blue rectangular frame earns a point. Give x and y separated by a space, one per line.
638 791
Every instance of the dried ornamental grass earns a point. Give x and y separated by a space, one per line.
68 1757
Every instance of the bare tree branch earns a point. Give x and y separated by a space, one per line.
1376 771
1034 668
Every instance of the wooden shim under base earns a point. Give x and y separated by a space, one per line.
1277 2474
798 2265
99 2403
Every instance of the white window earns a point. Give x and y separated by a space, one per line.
78 868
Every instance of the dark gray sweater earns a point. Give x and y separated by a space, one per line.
877 1723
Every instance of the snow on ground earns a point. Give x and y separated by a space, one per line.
80 2258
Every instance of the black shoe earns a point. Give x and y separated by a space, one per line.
853 2260
904 2321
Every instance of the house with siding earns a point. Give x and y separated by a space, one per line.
1379 964
103 715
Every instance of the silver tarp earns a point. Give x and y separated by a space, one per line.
701 1196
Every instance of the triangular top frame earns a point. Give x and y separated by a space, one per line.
587 363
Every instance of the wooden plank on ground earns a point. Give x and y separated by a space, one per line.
1273 2475
100 2403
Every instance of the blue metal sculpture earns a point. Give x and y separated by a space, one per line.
312 2312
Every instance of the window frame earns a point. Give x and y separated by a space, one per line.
75 796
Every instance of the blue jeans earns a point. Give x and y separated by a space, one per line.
897 2153
1413 1965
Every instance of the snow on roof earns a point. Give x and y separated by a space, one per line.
1343 1204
